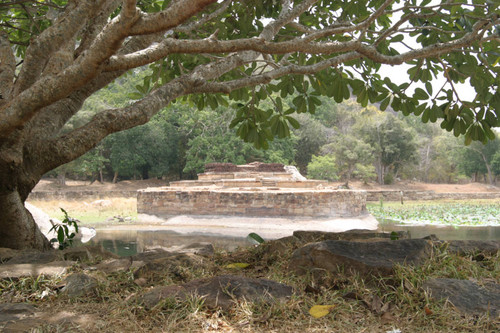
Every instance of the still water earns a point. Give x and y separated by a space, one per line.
130 242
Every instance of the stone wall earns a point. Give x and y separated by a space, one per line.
428 195
80 195
250 182
165 202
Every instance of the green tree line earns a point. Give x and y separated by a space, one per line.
337 142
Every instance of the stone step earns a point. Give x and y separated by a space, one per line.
268 183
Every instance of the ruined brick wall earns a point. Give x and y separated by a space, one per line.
166 202
428 195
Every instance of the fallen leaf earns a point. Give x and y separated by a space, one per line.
312 290
387 317
428 311
376 304
319 311
237 265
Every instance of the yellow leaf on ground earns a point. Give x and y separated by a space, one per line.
319 311
237 265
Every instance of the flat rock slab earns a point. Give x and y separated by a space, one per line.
463 247
222 291
16 317
367 258
15 271
467 296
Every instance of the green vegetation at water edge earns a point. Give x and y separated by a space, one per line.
461 213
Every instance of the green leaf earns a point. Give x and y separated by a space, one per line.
428 87
420 94
385 104
295 124
253 237
60 235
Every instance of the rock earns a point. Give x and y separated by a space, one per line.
282 245
172 265
34 257
7 254
42 220
16 317
463 247
467 296
367 258
14 271
83 253
101 203
222 291
45 224
355 234
204 249
115 265
79 284
86 234
294 172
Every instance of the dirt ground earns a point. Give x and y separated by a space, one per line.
132 185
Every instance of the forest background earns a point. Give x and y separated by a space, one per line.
337 142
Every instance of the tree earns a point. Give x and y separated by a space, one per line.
54 54
322 167
392 141
477 159
351 153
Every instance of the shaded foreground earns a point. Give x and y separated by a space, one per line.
156 290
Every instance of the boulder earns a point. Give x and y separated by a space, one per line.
79 284
464 247
222 291
367 258
110 266
467 296
173 266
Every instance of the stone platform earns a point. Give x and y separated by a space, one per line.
251 190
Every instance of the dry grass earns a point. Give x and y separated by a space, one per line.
90 212
375 305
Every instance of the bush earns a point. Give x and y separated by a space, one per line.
322 167
389 179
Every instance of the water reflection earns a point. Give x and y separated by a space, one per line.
443 232
130 242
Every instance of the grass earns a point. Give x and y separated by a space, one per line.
359 305
443 212
91 212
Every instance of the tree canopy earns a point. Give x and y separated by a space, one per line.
54 54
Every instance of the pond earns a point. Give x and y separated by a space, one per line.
130 242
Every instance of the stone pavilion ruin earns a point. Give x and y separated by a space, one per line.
254 190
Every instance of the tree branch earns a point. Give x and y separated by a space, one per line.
95 25
177 13
49 41
7 68
172 46
52 88
194 25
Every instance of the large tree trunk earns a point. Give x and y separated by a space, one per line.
19 174
18 230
